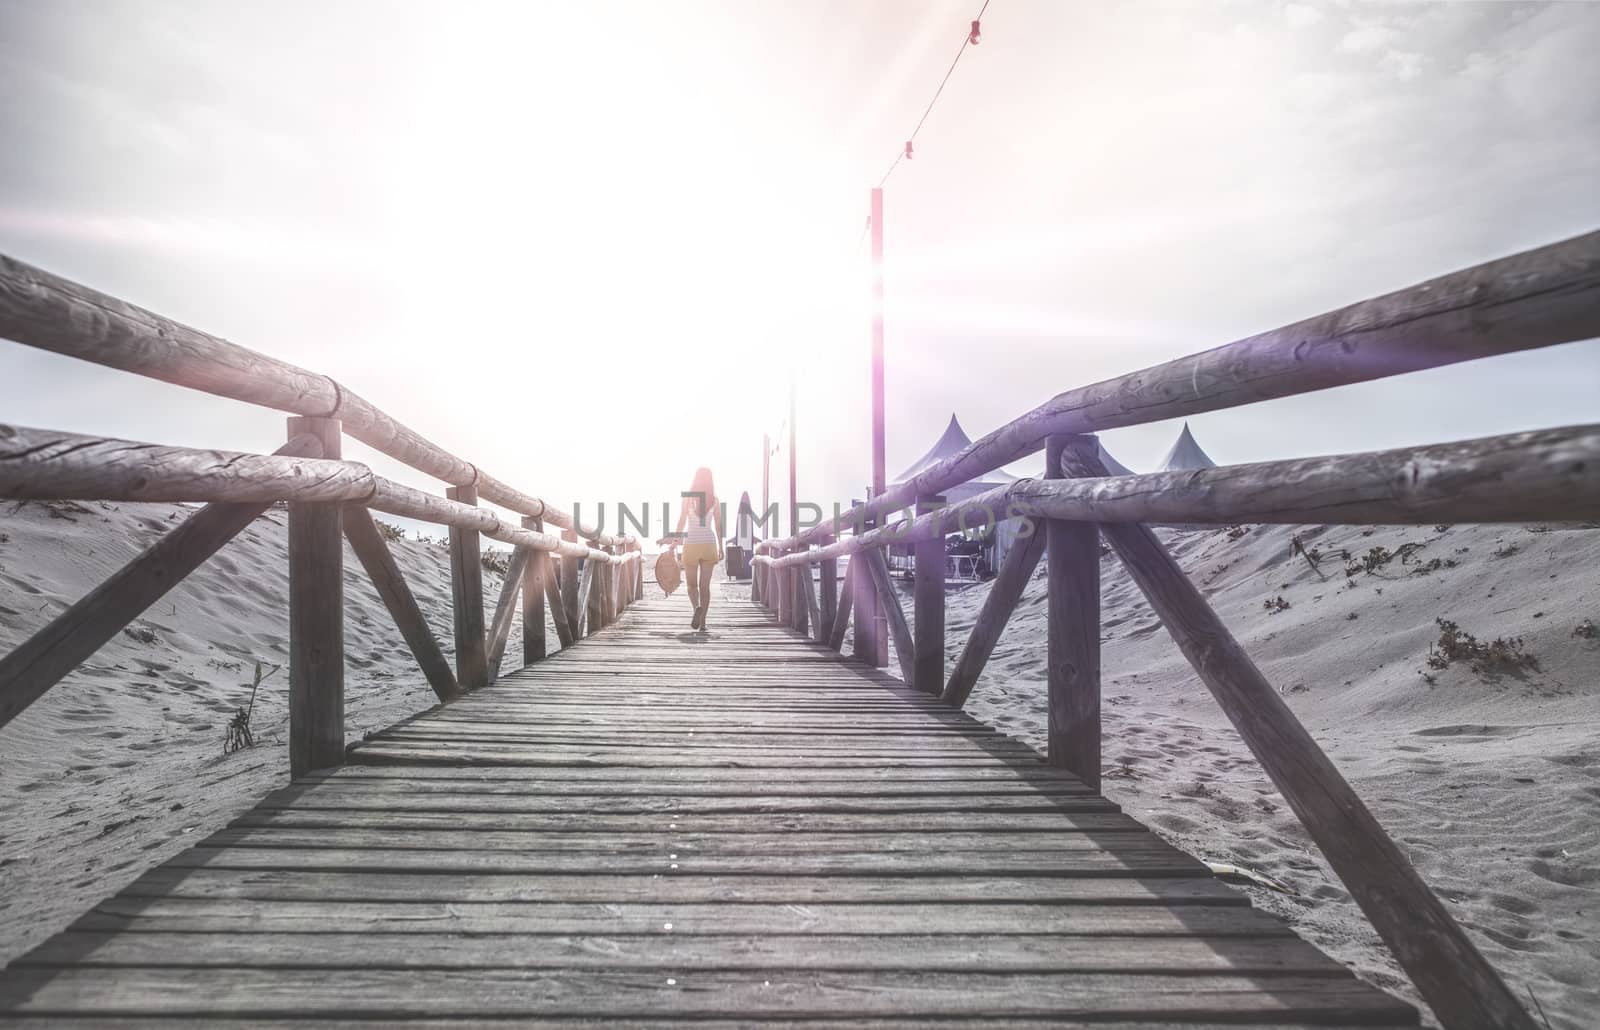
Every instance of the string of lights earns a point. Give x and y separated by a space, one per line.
908 152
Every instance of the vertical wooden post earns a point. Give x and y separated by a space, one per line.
872 622
569 583
533 644
558 608
316 620
928 606
828 604
783 591
799 610
466 590
595 604
1073 629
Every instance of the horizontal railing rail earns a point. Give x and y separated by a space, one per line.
586 577
41 464
1536 299
43 310
1539 298
1547 475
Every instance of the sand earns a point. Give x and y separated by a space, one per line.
1489 781
120 766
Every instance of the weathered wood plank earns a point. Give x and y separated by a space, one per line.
607 993
1004 593
674 950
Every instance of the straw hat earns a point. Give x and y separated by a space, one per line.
667 573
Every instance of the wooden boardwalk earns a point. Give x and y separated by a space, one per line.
657 827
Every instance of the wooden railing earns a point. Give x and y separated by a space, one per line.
1535 299
328 499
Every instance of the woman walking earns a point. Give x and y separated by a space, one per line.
700 522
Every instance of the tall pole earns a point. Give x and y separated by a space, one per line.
872 619
794 493
879 474
766 465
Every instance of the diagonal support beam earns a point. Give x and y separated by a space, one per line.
878 568
841 614
506 610
552 594
374 554
39 663
1463 989
1004 593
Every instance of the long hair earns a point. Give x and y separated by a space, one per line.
705 488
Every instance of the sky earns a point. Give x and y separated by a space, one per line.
586 246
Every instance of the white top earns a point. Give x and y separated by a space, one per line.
700 529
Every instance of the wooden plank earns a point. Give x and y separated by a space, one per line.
312 885
1449 972
39 663
1072 665
316 620
935 822
1127 861
889 603
640 841
466 593
602 994
505 610
878 920
1004 593
928 607
955 953
384 572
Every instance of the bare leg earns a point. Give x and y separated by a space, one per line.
692 584
704 572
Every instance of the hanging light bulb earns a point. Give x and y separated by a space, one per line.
974 37
909 154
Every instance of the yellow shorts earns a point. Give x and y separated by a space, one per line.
694 554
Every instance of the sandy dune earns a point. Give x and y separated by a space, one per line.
121 765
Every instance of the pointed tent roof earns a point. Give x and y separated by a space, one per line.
1186 454
952 442
1113 466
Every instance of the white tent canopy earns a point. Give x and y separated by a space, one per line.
952 442
1186 455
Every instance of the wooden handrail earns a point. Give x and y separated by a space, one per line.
1546 475
46 311
1537 298
39 464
